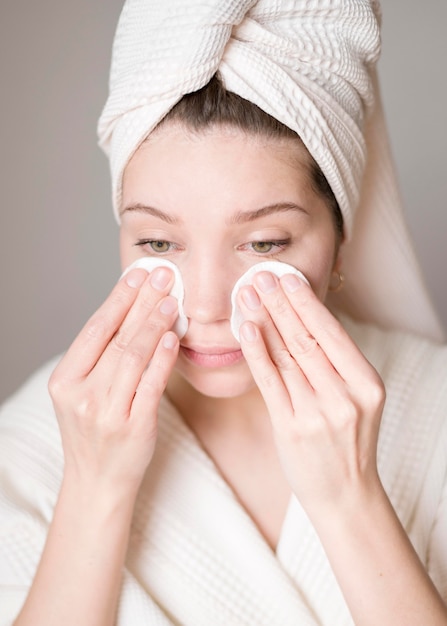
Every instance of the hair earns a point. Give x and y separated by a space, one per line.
213 105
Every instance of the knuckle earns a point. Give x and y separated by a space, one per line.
282 358
120 296
96 328
135 357
153 384
304 298
56 386
147 301
341 411
121 340
303 343
160 364
155 326
280 305
348 415
269 380
87 406
308 430
376 393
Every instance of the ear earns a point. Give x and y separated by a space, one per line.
338 260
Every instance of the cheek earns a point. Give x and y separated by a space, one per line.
318 267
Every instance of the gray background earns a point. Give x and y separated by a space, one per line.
58 239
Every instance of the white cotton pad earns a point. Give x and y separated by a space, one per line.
276 267
149 264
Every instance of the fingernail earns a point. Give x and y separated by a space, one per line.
136 278
248 331
290 282
251 298
170 341
160 278
265 281
168 306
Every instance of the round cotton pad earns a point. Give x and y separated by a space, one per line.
149 264
276 267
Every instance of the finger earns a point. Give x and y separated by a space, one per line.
88 346
154 288
301 344
136 357
342 352
277 344
265 373
154 380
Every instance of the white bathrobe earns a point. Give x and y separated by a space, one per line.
195 556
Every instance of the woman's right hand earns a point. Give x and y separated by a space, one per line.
107 387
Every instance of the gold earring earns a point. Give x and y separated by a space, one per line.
338 286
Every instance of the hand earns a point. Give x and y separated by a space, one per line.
106 389
324 398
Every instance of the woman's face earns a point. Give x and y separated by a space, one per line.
215 203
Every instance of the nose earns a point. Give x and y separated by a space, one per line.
208 285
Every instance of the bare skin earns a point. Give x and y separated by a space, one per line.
297 397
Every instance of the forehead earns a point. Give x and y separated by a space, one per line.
225 155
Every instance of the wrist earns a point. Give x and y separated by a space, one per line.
359 501
97 495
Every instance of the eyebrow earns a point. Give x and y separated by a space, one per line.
150 210
241 217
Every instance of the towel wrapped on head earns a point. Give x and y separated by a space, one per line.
311 65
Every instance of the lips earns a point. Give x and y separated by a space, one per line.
212 356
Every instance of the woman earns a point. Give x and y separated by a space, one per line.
203 481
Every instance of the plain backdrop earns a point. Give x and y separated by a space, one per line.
58 239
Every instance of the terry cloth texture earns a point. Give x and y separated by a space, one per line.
311 65
195 556
276 267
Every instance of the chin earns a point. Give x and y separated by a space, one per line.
226 382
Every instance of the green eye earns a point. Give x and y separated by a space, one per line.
262 246
159 245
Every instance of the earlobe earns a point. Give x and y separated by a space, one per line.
336 282
337 277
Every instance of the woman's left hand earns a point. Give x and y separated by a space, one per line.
324 398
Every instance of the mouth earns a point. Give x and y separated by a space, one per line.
212 356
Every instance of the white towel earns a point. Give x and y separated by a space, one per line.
310 64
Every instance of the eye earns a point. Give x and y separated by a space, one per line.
159 246
267 247
262 246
